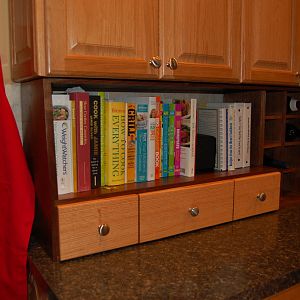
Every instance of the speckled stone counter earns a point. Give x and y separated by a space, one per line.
247 259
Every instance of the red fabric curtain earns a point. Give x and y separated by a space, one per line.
16 205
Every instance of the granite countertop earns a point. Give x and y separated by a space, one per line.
248 259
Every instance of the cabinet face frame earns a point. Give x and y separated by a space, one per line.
270 50
204 36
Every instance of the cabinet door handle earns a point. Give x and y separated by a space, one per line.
297 74
155 62
261 197
103 229
172 63
194 211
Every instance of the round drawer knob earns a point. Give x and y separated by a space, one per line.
103 229
155 62
261 197
172 63
194 211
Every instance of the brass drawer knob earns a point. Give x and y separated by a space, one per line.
261 197
103 229
155 62
194 211
172 63
297 74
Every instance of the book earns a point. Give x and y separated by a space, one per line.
246 134
74 145
188 137
95 106
114 143
130 156
165 140
81 100
212 121
177 144
158 138
238 129
62 124
141 142
171 137
151 138
230 131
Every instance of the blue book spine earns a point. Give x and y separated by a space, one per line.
165 142
141 142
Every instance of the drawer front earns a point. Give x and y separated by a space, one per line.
167 212
79 225
256 194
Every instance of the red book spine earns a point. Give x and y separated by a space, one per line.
82 140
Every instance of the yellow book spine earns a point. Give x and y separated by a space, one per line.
131 141
115 143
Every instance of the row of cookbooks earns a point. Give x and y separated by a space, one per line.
102 142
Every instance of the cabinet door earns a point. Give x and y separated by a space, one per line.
270 32
169 212
102 38
204 37
79 225
256 195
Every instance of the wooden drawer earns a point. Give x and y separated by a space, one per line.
165 213
247 189
79 225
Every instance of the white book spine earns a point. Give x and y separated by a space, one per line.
238 120
191 171
62 123
151 139
223 140
246 134
231 138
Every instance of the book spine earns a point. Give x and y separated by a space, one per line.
115 143
62 124
238 121
131 142
247 134
230 141
158 138
126 138
193 137
102 137
74 143
177 139
222 132
141 142
165 141
188 137
82 140
95 141
151 139
171 136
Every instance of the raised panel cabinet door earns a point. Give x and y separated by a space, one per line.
22 40
256 195
172 211
270 33
102 38
203 36
97 225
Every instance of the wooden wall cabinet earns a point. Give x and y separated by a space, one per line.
271 41
118 39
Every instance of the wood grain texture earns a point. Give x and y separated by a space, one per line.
78 225
102 38
270 48
166 213
246 189
204 37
